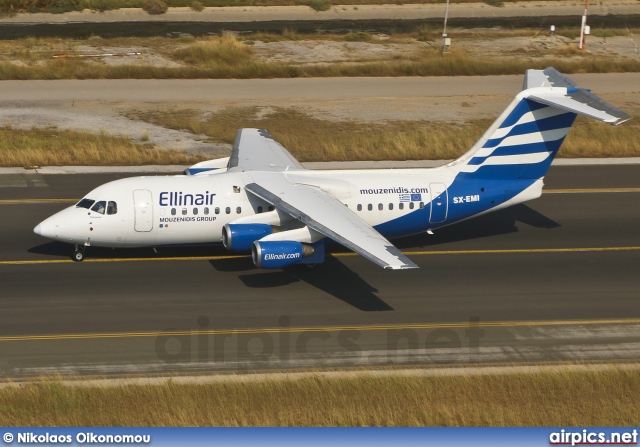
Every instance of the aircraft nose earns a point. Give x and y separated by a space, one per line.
48 228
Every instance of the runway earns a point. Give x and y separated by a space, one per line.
553 280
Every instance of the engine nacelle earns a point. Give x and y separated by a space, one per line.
216 166
240 237
279 254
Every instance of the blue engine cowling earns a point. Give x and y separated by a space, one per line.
240 237
279 254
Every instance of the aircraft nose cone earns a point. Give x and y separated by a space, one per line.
49 228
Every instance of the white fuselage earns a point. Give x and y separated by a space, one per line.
176 210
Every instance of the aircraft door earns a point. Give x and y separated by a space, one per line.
143 210
439 202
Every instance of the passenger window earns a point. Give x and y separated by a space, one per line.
195 211
401 206
238 210
259 209
380 206
411 205
359 207
99 207
271 207
206 210
184 211
369 207
421 205
85 203
227 210
173 211
217 210
112 208
391 206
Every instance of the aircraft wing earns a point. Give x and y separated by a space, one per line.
255 149
328 216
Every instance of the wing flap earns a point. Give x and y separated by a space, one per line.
326 215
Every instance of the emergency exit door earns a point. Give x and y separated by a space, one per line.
143 210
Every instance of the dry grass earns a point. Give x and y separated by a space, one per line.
594 139
313 139
65 148
308 138
545 399
217 52
228 57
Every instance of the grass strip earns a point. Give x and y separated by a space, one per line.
251 69
566 398
312 139
55 147
307 137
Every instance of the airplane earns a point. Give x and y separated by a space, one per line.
262 201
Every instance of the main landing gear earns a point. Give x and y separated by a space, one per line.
78 254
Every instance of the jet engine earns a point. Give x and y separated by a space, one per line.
239 237
279 254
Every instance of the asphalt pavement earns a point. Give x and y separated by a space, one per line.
552 280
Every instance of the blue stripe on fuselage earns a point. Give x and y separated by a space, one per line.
495 193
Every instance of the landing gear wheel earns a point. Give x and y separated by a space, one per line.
78 255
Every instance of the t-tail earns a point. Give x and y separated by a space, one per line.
518 148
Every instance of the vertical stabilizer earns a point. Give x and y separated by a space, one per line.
523 141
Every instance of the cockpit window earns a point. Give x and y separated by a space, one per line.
112 208
99 207
85 203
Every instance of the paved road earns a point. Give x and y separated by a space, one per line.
99 104
181 90
514 286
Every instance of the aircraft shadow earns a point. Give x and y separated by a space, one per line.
52 249
61 249
332 277
492 224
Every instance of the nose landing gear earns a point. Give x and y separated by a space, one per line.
78 254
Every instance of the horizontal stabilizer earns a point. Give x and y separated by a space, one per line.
580 101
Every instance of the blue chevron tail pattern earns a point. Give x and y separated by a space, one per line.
523 145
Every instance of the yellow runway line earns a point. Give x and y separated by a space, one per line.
275 330
337 255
